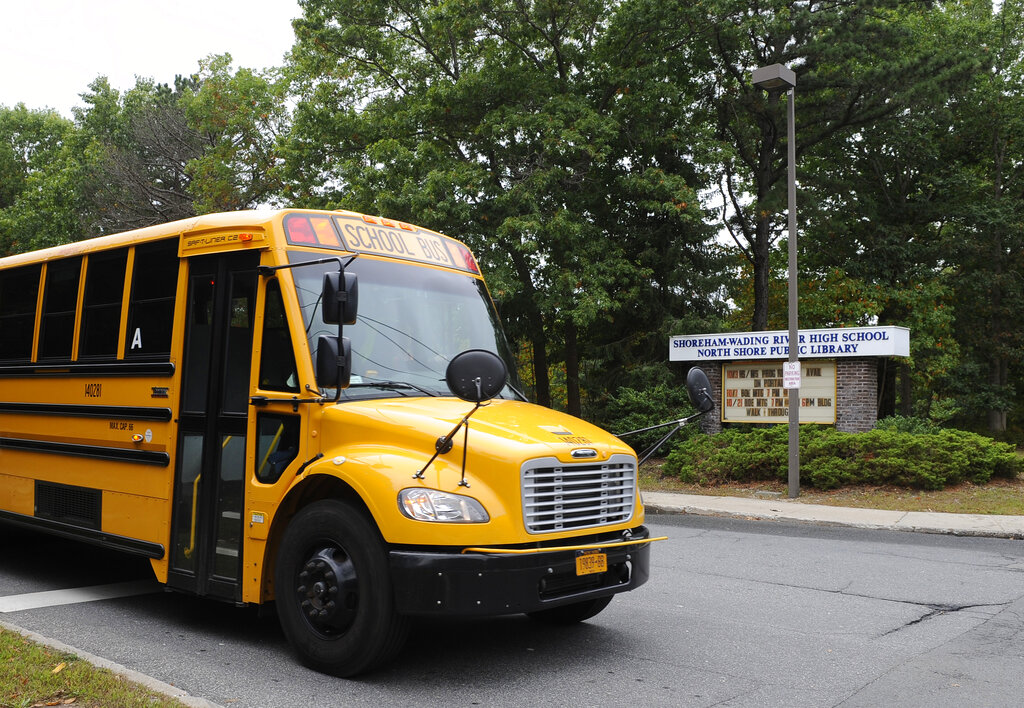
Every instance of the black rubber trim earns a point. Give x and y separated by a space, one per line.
307 463
89 411
79 533
118 454
118 368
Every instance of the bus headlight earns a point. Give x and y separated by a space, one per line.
434 505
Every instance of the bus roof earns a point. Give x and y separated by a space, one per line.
258 221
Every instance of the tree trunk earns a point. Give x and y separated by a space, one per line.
997 378
761 249
906 394
572 370
539 340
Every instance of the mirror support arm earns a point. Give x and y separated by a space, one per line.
679 424
444 444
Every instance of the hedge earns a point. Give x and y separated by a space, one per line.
886 455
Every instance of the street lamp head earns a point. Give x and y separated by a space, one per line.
776 77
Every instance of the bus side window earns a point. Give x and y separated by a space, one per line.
60 300
101 307
277 359
154 287
18 291
277 446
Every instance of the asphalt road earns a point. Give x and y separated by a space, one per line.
737 613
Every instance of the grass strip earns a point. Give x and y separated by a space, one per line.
34 675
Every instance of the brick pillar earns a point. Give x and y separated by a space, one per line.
856 394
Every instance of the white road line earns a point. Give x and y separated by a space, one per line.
50 598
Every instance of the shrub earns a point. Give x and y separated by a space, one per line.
830 459
907 424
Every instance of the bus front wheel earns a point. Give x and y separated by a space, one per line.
333 591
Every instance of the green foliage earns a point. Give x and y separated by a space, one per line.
578 147
538 133
240 115
40 180
907 424
887 455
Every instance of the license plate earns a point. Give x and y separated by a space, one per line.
591 562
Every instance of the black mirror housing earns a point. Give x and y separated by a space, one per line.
476 375
340 298
333 362
699 389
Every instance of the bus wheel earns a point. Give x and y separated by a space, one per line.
571 614
333 591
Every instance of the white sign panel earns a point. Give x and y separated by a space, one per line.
791 375
753 392
814 343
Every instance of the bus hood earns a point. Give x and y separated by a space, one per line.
509 431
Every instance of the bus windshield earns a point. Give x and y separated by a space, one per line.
412 321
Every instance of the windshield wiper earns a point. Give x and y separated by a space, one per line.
393 386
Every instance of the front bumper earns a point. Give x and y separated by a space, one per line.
477 583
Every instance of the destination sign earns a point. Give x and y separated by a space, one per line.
360 233
411 242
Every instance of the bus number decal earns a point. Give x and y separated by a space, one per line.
137 338
93 390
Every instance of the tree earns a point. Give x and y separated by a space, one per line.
987 238
501 124
857 62
39 180
241 118
140 145
161 153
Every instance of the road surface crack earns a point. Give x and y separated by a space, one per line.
936 610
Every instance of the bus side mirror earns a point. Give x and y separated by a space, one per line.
476 375
333 362
340 298
699 389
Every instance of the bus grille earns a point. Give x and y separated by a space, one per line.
563 497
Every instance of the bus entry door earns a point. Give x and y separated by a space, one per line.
209 486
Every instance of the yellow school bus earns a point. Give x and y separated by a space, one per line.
307 407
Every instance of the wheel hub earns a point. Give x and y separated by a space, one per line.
328 591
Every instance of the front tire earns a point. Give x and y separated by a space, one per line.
333 590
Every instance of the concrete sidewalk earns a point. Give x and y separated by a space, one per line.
783 509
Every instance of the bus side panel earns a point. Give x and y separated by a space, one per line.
16 493
96 453
134 516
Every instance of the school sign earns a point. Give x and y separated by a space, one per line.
839 371
813 343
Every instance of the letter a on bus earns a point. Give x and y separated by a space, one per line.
137 338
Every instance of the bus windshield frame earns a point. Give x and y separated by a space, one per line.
413 319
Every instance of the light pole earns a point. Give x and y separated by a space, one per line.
775 79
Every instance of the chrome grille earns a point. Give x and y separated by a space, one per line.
559 497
